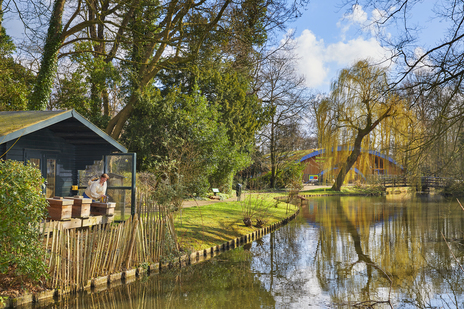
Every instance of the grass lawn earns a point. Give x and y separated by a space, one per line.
206 226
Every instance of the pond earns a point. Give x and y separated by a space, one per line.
338 252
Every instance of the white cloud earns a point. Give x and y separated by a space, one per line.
347 53
311 53
357 16
320 63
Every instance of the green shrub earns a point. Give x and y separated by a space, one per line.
290 176
255 207
22 208
260 182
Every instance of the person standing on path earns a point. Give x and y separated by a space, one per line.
238 191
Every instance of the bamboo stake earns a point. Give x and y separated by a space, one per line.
143 242
114 251
69 266
46 242
57 256
67 258
118 246
139 254
62 260
84 259
60 255
95 252
50 261
120 241
110 261
131 245
101 239
53 246
94 256
106 234
109 248
77 259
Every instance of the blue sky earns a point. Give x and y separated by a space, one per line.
330 37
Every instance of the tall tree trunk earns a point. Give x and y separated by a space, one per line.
116 124
95 100
1 17
99 94
273 158
346 166
106 102
44 83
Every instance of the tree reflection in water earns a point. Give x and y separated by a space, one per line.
338 251
223 282
362 240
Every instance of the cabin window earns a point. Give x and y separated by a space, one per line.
35 162
51 173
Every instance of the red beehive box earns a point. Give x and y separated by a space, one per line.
59 208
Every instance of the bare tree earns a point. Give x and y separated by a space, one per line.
286 96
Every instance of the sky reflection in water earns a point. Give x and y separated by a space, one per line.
339 251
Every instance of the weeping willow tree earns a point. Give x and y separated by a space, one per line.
361 99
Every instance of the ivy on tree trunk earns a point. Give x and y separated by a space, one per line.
44 84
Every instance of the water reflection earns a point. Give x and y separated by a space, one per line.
364 240
224 282
339 251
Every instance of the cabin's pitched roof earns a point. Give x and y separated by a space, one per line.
69 125
315 152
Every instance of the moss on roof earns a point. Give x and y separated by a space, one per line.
14 121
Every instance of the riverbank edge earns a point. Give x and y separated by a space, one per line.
102 283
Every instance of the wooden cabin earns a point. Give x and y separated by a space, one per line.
61 144
379 164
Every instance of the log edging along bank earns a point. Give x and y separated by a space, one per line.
101 283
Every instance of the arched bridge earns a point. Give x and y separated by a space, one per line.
424 182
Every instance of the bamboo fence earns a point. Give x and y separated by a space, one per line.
75 256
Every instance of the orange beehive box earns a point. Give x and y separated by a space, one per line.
80 207
59 208
102 209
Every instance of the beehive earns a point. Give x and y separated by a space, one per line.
102 209
59 208
81 207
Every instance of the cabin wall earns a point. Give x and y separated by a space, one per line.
2 151
43 145
88 154
312 168
378 166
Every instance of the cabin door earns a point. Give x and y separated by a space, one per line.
46 163
121 185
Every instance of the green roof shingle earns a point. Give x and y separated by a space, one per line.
14 121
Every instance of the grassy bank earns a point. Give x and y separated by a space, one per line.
365 190
203 227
